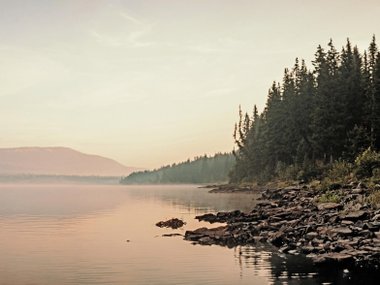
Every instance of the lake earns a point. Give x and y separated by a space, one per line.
68 234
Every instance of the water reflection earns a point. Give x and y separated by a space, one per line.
297 269
193 197
72 200
263 260
58 200
77 235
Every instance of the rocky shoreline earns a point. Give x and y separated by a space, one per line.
232 188
298 220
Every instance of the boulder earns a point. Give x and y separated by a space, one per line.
172 223
354 216
342 231
328 206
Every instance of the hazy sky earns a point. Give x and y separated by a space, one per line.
153 82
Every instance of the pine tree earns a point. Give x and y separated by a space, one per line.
329 113
376 103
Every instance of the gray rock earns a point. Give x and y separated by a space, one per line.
172 235
357 191
376 217
328 206
354 216
205 241
311 235
293 252
347 222
342 231
172 223
308 249
277 238
291 220
338 257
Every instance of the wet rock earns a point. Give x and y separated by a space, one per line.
289 219
293 252
232 188
211 218
172 223
277 238
317 259
327 258
205 232
172 235
205 241
338 257
309 249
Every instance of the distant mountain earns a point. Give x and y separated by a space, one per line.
58 161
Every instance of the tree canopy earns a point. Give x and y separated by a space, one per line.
314 116
201 169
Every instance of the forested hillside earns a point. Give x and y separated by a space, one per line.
313 117
200 170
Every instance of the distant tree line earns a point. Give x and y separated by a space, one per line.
201 169
313 117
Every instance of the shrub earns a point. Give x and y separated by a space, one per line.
312 171
367 163
329 197
340 171
374 199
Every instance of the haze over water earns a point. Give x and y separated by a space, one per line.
107 235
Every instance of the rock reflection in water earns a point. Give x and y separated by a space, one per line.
264 260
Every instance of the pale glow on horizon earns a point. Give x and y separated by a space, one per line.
149 83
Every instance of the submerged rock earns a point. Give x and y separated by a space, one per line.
172 235
172 223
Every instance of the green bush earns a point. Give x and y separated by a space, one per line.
374 199
312 171
367 163
329 197
340 171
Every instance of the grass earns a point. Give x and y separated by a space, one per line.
329 197
374 199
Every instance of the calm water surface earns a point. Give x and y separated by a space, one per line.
107 235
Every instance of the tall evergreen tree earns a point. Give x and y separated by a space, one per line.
329 113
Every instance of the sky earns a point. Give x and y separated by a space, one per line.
149 83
